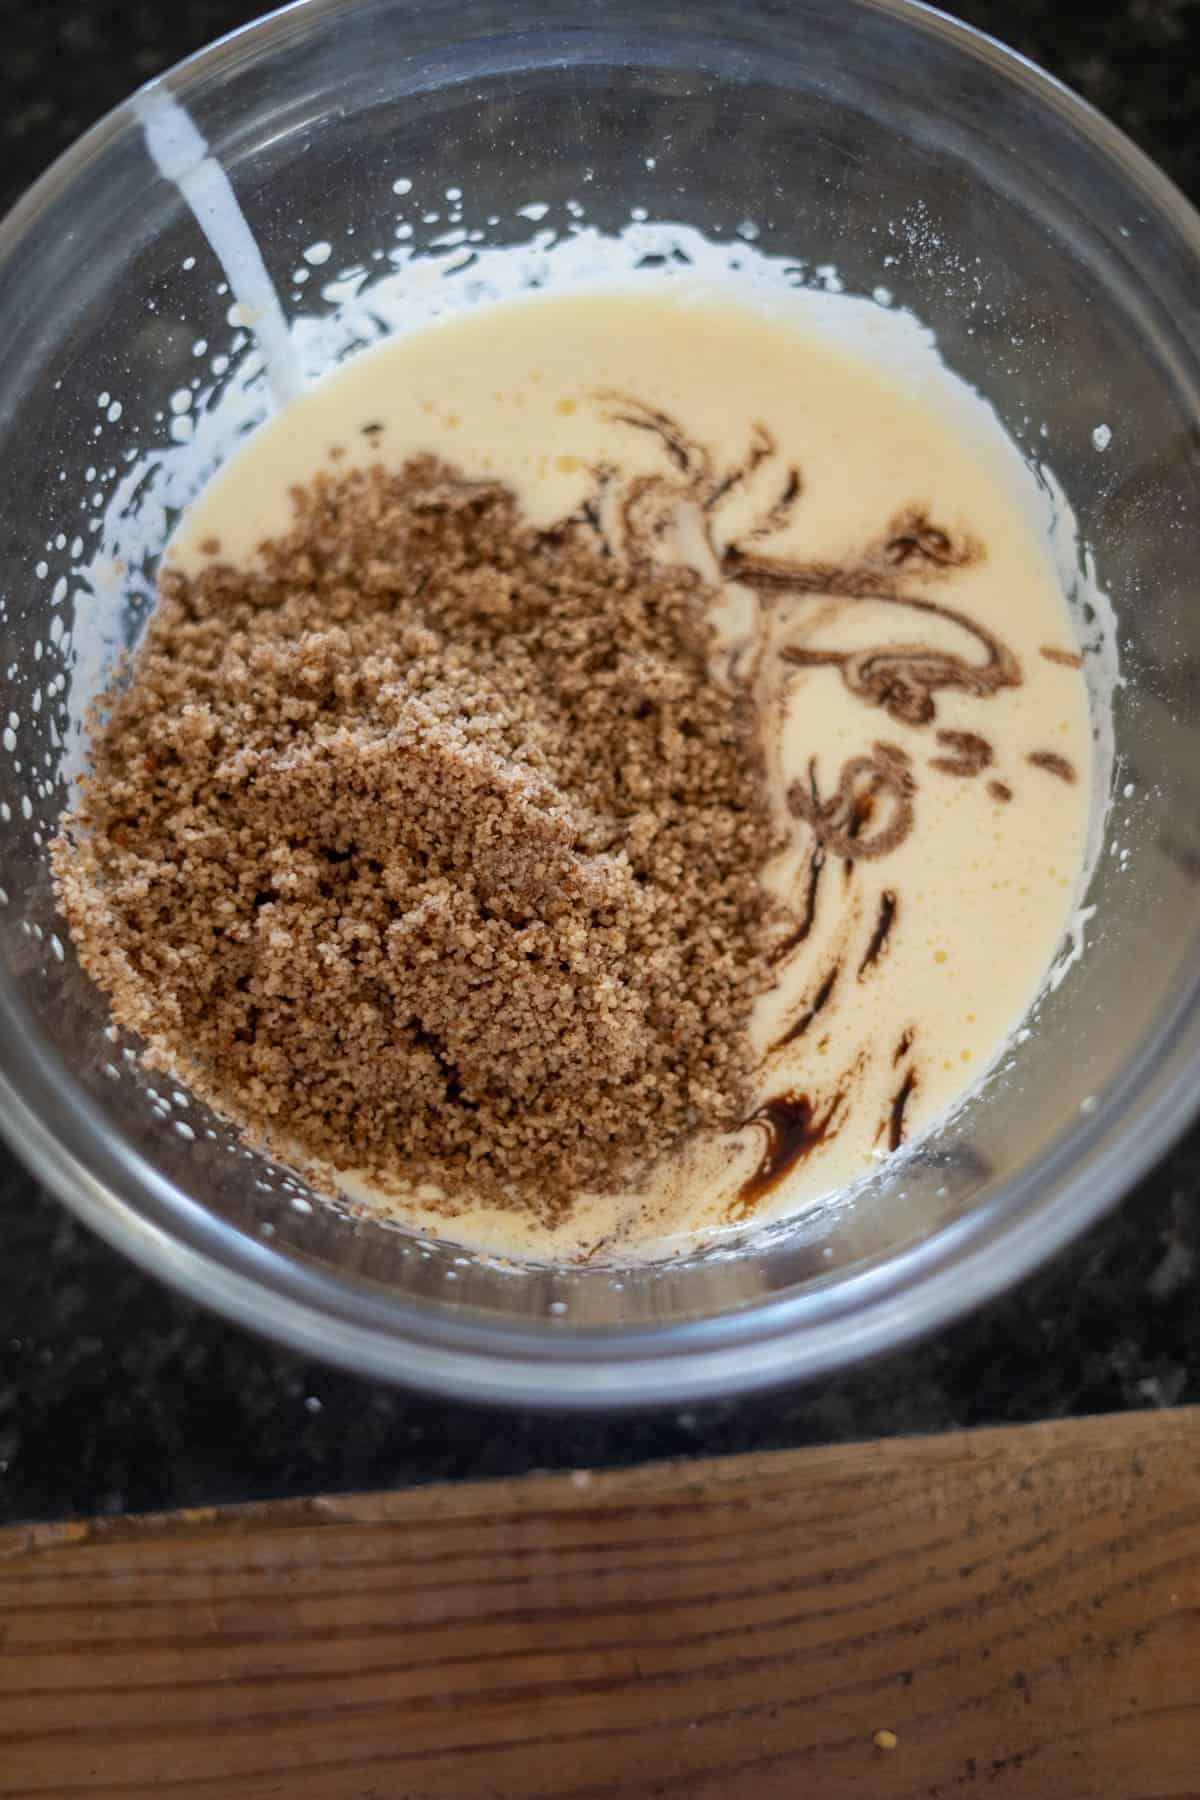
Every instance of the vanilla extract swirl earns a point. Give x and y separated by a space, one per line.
836 823
871 809
902 679
1053 764
968 753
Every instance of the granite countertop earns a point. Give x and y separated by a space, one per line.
115 1394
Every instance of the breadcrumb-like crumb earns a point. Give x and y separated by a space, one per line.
428 844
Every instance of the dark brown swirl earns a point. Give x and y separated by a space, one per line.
792 1129
914 538
804 924
762 448
903 678
969 754
886 774
1053 764
693 460
900 678
816 1006
894 1122
1067 659
779 513
885 919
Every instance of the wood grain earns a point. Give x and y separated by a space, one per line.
1020 1608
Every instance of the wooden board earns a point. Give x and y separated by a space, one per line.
1019 1608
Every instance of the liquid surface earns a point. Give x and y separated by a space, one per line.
890 602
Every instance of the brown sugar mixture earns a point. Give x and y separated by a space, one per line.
428 847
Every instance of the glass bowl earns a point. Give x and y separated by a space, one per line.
1059 270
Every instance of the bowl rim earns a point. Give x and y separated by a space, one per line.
115 1191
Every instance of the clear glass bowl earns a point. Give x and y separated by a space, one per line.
1059 270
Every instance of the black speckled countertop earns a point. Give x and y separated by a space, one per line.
116 1395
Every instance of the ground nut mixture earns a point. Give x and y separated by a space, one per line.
428 846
